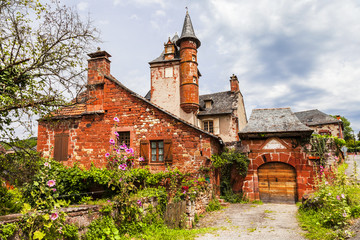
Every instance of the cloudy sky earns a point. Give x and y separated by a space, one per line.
303 54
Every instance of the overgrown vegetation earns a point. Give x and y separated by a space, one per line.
54 186
328 212
230 162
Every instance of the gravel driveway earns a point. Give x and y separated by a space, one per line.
253 221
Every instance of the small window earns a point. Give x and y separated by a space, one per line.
193 58
61 147
209 126
157 151
169 49
208 104
123 138
194 79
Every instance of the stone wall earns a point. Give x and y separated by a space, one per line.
285 150
89 135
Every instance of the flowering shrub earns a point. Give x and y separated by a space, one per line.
331 207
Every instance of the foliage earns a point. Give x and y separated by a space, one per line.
8 230
328 211
19 167
102 228
227 161
42 50
10 200
321 146
231 197
213 205
347 129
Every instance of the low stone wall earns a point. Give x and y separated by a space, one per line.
180 214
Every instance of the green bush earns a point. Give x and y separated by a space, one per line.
213 205
10 200
102 228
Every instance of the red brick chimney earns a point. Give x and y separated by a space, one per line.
234 83
98 67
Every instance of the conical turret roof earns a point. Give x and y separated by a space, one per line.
188 31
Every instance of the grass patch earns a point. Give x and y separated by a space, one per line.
162 232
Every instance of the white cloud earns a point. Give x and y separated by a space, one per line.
82 6
134 17
286 51
142 3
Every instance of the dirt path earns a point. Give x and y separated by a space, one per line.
253 221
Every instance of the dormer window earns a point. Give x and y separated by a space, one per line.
169 49
208 104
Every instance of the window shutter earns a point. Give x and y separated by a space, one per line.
216 126
61 147
57 148
168 151
144 150
64 147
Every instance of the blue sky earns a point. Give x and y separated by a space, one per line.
300 54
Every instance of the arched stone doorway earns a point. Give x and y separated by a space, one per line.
277 182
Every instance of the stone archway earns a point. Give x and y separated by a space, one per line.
277 182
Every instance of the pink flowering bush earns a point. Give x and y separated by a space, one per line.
331 207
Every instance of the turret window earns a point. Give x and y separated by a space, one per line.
194 79
193 58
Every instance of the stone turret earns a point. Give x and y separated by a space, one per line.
189 75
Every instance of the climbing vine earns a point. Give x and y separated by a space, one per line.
226 162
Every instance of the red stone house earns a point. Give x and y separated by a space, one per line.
279 169
81 133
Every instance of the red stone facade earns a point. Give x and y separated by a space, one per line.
90 130
286 150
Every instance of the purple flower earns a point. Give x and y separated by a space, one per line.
107 155
116 134
59 230
54 216
123 146
139 203
344 214
326 183
116 119
338 197
108 201
141 159
51 183
125 158
122 166
343 196
46 164
54 189
120 179
112 141
118 151
128 150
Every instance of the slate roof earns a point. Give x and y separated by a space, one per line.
274 122
222 103
315 117
161 58
188 31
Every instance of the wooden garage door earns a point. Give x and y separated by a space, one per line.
277 182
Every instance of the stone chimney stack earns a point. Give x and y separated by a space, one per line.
98 67
234 83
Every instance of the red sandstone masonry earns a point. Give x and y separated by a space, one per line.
292 156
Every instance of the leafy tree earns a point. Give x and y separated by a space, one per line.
347 129
358 136
42 49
